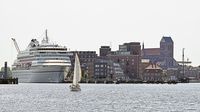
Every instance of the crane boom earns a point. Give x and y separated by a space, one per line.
16 45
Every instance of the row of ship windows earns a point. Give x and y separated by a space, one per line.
42 56
51 49
50 55
53 59
53 52
39 53
45 59
52 62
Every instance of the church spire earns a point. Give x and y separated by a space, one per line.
142 45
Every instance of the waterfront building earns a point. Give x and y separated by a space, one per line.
107 69
129 64
164 56
87 59
101 69
85 56
172 73
104 50
128 57
118 72
132 48
1 74
153 73
124 63
192 72
144 64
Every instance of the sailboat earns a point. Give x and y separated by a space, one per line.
77 75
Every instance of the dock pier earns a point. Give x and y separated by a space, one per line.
9 81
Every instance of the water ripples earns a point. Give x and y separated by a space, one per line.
100 98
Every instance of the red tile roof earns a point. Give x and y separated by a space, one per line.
151 51
154 67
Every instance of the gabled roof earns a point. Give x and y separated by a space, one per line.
153 67
166 39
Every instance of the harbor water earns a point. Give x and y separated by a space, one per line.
49 97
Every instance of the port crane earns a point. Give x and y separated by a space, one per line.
16 45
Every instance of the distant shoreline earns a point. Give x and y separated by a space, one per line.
129 82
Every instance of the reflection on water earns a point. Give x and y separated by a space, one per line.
100 98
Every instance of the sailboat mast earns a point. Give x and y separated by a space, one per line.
75 81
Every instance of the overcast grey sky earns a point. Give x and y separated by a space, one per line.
88 24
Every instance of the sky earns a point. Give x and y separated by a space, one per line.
89 24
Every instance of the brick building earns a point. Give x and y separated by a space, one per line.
153 73
128 57
87 59
164 56
132 48
104 68
101 69
129 64
104 50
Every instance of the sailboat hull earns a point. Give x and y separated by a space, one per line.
75 88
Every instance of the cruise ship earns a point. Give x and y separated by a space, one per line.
41 62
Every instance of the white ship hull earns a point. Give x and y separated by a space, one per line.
42 74
41 62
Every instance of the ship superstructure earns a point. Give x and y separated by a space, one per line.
45 62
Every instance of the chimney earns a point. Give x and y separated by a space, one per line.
5 71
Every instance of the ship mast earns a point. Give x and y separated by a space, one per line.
47 39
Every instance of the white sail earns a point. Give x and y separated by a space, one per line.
77 71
